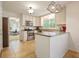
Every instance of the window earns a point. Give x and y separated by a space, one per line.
13 24
48 21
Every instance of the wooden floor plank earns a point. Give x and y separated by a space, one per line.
18 49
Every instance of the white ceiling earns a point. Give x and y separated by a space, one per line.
40 7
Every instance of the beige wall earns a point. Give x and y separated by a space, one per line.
72 21
37 21
61 17
0 26
10 14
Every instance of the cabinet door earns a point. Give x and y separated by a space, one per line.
25 36
37 21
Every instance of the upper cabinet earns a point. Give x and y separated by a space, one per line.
36 20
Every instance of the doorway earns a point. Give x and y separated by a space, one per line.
13 28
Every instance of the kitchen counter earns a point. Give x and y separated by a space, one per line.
49 34
51 44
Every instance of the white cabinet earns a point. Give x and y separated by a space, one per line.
36 21
51 47
25 36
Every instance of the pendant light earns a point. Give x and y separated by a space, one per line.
54 7
30 10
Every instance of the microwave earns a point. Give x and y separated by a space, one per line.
29 23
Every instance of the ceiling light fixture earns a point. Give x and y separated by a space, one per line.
30 10
54 7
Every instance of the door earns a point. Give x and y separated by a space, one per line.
5 32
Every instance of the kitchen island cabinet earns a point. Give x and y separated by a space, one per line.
51 44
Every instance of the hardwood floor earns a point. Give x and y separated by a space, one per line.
18 49
14 37
71 54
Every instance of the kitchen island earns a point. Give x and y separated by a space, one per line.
51 44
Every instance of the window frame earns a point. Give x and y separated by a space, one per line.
48 18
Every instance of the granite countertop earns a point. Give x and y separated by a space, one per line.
49 34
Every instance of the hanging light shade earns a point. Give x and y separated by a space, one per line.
54 7
30 10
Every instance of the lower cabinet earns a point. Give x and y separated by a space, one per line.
28 35
25 36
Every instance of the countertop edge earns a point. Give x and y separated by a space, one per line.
51 35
